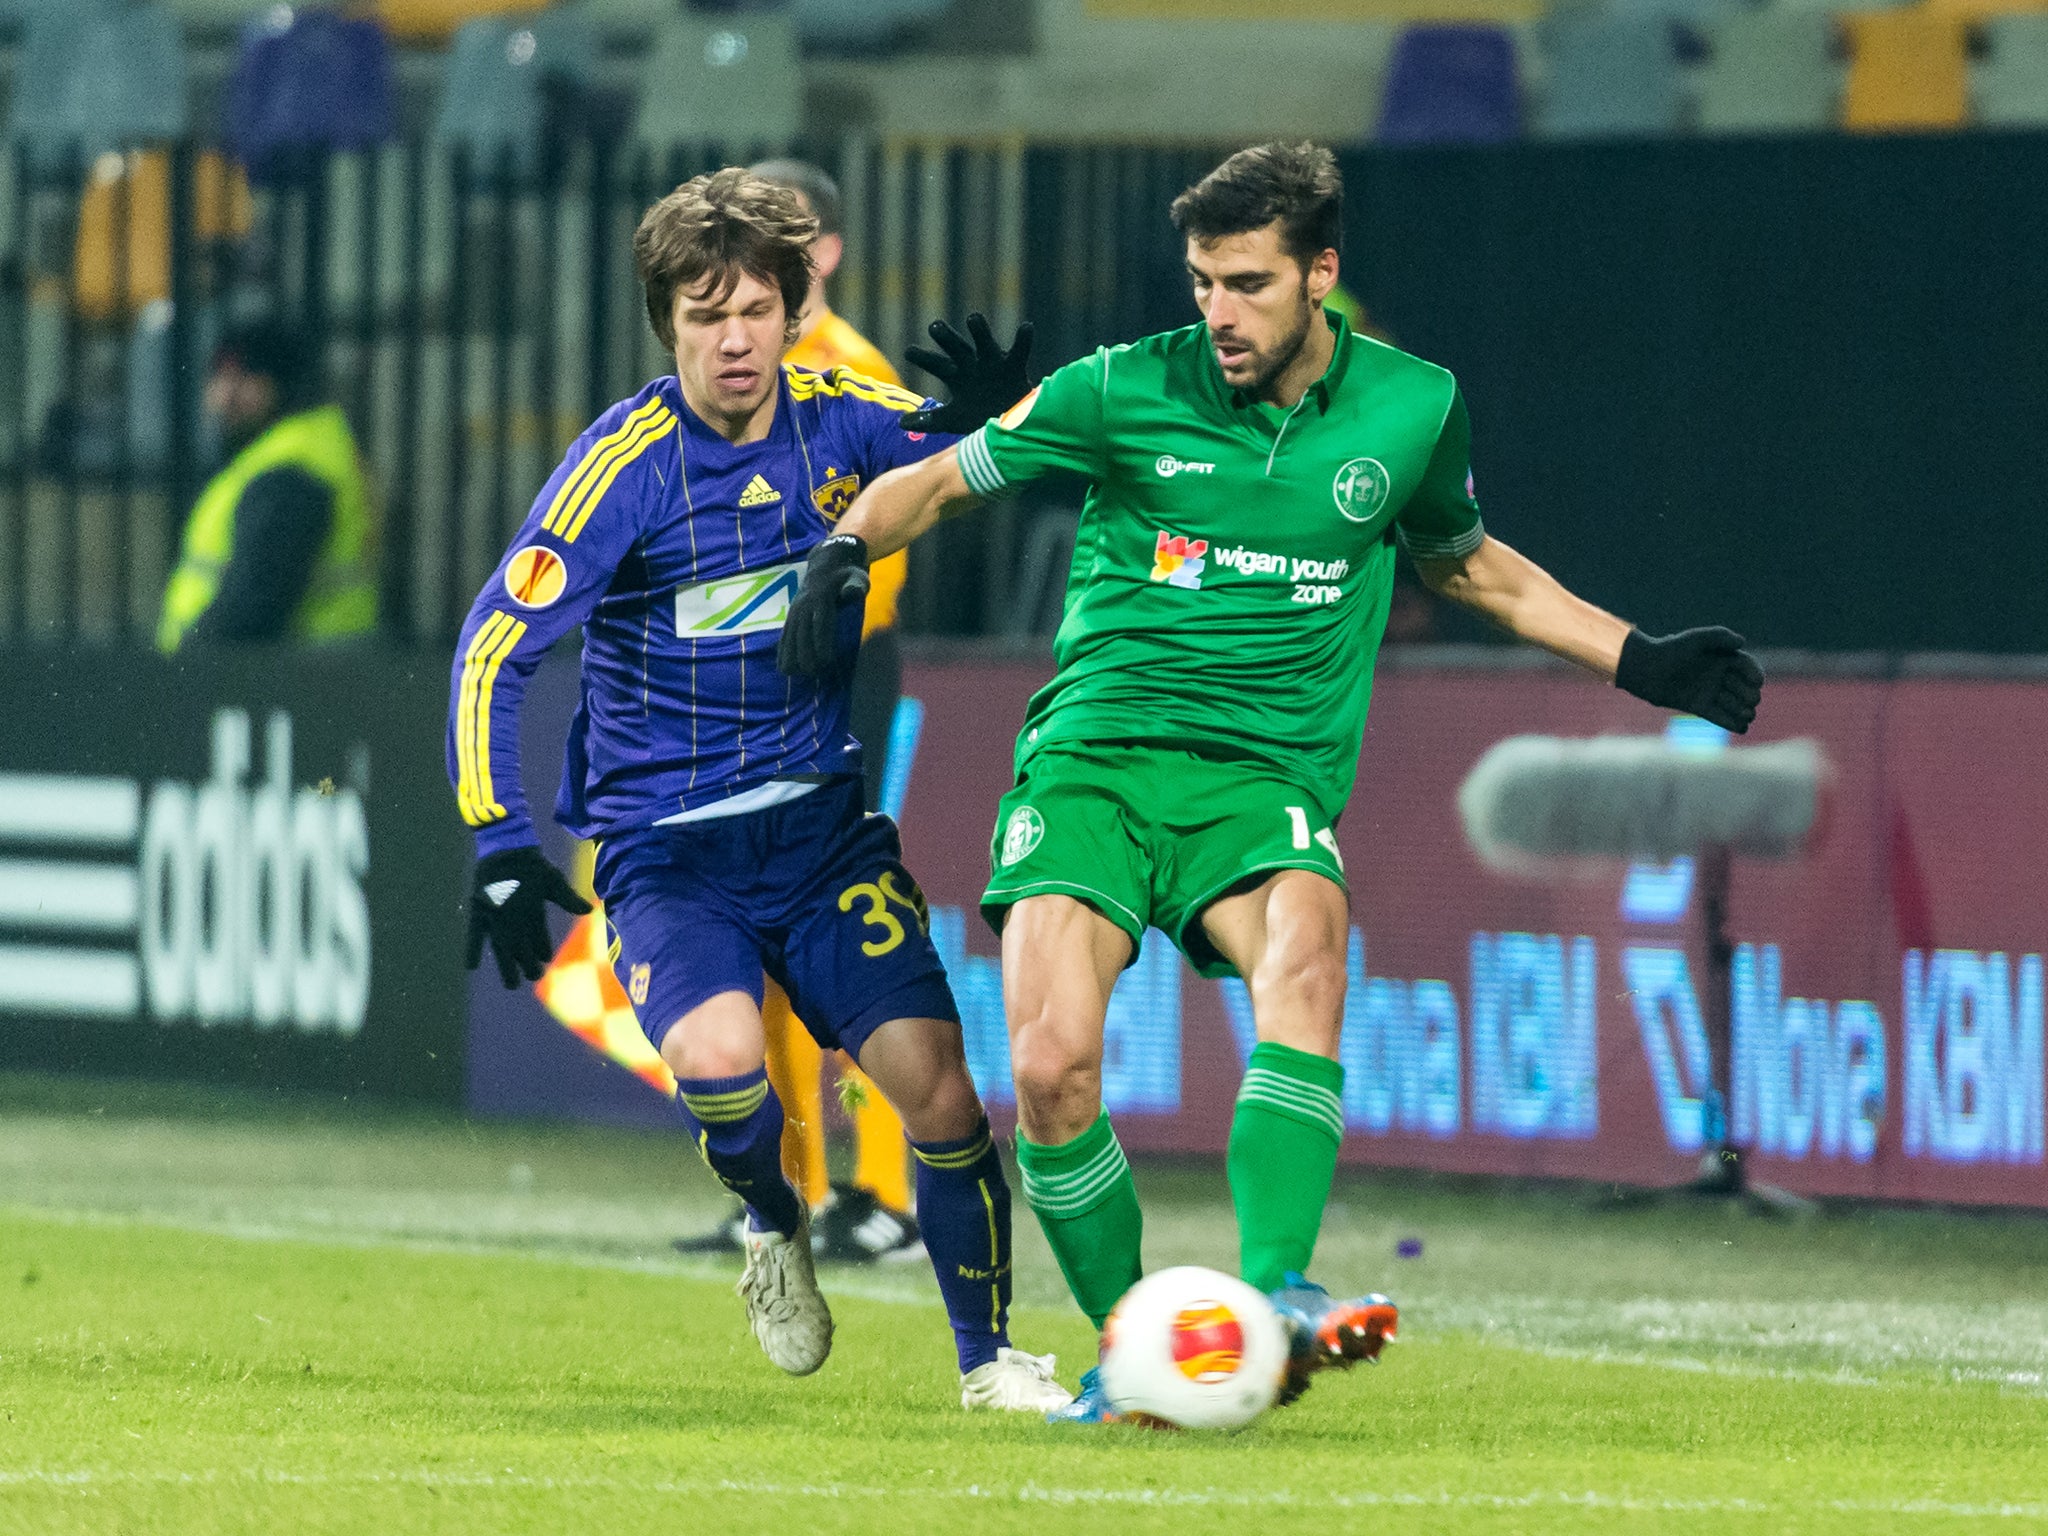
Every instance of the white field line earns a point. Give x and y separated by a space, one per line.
88 1479
915 1288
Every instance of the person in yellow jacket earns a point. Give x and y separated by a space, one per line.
281 544
870 1218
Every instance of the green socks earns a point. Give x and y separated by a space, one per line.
1283 1154
1088 1208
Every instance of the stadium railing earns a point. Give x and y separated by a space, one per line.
475 309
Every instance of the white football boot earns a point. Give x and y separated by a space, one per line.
1014 1381
784 1305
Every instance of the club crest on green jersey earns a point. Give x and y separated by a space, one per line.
1361 489
1021 834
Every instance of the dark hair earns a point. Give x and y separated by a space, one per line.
273 350
1297 184
820 191
718 228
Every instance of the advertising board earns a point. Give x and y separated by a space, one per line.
1888 991
239 867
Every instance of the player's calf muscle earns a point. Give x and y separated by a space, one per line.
1298 998
1061 959
1287 937
920 1065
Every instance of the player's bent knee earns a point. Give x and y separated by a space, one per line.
720 1037
1056 1082
952 1110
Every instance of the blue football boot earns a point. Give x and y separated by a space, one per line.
1090 1404
1325 1332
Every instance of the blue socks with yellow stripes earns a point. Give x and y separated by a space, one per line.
963 1200
1284 1137
736 1124
963 1209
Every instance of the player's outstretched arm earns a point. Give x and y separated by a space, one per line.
906 503
1703 672
884 518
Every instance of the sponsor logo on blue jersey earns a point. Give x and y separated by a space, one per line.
737 605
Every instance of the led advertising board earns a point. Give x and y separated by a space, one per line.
1888 991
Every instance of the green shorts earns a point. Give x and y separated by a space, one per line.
1150 836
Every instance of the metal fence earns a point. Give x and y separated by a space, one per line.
474 316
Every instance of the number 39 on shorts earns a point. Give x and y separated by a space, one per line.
1297 821
871 900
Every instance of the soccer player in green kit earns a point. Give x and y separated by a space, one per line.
1251 476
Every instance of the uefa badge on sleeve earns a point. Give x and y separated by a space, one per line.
535 576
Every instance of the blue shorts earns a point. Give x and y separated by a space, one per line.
813 892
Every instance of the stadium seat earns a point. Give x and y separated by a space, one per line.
1608 76
1695 13
1982 10
859 24
436 21
20 13
217 15
490 93
1770 72
1451 85
130 196
323 81
627 19
100 77
492 101
2011 86
1908 71
727 80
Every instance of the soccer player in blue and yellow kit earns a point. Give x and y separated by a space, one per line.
726 796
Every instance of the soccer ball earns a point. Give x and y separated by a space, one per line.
1195 1349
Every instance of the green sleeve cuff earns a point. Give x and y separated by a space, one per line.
978 465
1441 546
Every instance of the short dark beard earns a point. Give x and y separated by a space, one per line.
1289 351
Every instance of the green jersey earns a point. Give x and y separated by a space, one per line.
1235 561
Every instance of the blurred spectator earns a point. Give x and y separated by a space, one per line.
281 543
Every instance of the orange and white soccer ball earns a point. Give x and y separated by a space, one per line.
1195 1349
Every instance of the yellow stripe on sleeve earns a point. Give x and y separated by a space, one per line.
803 384
465 716
560 509
487 805
651 432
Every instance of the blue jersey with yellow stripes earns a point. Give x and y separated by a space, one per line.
677 552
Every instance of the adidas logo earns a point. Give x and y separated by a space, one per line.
759 493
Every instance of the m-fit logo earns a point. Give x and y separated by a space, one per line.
1177 560
1168 466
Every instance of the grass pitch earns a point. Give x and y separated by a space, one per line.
221 1313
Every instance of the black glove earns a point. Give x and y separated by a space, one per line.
508 899
1703 672
981 379
835 575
